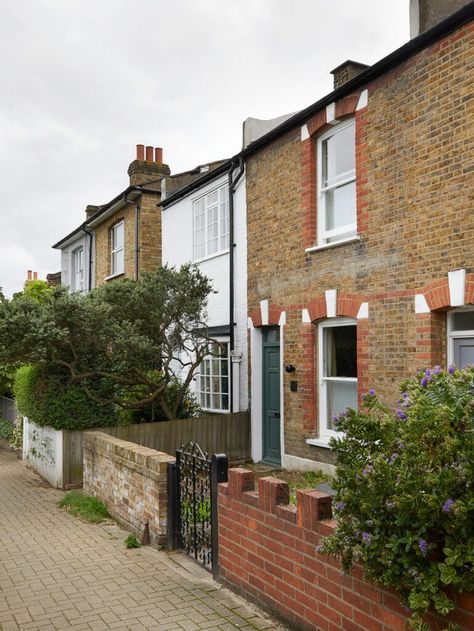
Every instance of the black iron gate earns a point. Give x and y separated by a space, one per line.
192 508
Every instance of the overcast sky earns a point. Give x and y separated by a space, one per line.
83 81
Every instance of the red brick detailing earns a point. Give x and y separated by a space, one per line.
317 122
274 313
348 305
363 384
317 309
240 481
347 105
430 339
308 379
308 189
469 290
362 181
437 294
268 551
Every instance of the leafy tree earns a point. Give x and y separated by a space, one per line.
405 497
124 343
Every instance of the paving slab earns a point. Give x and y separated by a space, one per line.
58 572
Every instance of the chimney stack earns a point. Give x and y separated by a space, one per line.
148 169
30 275
91 211
346 71
427 13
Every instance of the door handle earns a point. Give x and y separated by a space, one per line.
276 414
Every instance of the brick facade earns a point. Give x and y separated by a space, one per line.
267 550
414 185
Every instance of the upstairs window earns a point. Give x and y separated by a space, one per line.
337 370
461 337
78 269
211 223
213 379
337 218
117 245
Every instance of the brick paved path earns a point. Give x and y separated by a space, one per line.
57 572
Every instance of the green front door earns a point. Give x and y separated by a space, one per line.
271 396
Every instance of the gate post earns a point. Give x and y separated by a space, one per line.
219 468
172 513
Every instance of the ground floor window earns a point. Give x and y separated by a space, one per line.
337 350
461 337
213 379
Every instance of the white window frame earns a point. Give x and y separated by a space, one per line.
209 358
220 250
324 431
323 234
116 250
77 272
454 334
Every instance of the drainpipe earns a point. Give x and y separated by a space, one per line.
136 203
89 265
232 186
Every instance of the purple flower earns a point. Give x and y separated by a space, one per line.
424 382
405 395
428 372
320 548
366 538
423 545
401 414
451 369
372 392
340 506
447 506
369 468
437 370
335 420
393 457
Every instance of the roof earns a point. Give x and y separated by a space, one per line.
197 183
394 59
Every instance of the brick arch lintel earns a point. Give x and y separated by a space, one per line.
440 294
274 313
347 305
343 107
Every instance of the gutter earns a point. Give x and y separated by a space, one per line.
89 265
232 186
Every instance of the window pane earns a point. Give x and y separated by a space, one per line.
341 206
339 156
340 351
340 395
118 235
463 321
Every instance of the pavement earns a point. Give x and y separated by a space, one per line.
58 572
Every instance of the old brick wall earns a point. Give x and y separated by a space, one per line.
131 480
267 550
414 157
103 263
150 233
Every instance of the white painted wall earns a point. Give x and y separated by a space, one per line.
177 236
82 240
43 448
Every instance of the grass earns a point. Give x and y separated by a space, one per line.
84 506
304 480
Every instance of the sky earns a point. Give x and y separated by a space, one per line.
84 81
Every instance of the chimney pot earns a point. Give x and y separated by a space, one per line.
158 155
35 275
149 154
30 275
140 152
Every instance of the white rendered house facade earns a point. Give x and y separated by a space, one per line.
196 228
77 265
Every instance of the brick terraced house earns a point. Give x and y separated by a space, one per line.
360 236
121 238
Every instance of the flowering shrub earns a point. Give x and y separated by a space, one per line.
404 501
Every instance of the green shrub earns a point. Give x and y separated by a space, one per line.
6 429
405 497
86 507
48 399
131 542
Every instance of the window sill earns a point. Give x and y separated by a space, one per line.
211 256
319 442
112 276
326 246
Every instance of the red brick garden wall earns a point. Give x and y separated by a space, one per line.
267 550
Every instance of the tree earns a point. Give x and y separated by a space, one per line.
125 342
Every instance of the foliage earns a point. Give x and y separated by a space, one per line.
48 399
405 497
16 439
36 290
86 507
124 343
131 542
201 511
6 429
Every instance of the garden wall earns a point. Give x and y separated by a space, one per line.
131 480
267 550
